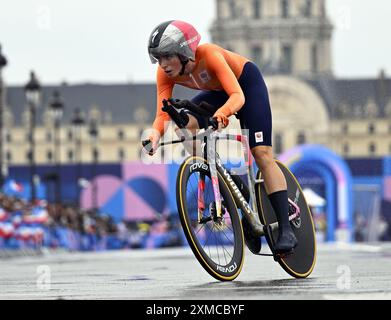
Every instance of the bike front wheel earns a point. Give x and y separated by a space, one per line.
217 243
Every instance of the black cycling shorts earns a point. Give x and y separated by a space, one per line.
255 115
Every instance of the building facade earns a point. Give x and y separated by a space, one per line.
291 43
284 37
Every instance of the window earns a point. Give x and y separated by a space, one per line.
49 156
308 8
121 134
95 154
70 155
232 6
257 7
28 155
219 9
301 138
285 8
8 137
323 10
371 128
345 128
28 137
286 59
70 135
314 58
48 136
372 149
278 143
256 55
141 131
8 156
121 154
346 149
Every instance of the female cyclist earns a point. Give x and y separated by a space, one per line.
231 83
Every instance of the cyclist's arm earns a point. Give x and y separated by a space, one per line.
164 88
217 63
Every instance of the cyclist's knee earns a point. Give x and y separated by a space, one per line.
263 155
192 126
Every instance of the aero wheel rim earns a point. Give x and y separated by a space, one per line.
215 238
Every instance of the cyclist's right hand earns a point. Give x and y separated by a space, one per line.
151 144
222 120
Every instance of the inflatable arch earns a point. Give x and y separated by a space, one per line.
338 185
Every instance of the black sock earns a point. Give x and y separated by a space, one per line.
279 202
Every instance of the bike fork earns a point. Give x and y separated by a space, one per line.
211 158
200 197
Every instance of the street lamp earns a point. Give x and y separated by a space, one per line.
57 108
78 122
33 98
3 168
93 131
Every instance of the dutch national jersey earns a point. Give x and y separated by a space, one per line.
216 69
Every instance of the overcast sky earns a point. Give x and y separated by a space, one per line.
105 41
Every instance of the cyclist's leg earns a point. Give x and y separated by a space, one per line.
214 98
256 116
193 148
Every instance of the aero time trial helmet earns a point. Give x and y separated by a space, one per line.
173 37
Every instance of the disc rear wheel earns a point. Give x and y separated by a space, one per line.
301 262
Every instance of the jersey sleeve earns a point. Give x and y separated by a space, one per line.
164 88
217 63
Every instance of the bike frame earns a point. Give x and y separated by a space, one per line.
249 210
210 138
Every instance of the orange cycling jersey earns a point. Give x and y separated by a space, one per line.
215 69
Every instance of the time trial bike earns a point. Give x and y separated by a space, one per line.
212 201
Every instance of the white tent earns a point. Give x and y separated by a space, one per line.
313 199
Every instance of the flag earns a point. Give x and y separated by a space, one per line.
3 215
24 233
15 187
6 229
37 234
17 219
38 215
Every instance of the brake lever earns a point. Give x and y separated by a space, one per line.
145 143
174 102
214 123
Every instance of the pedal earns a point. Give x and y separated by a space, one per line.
283 255
270 241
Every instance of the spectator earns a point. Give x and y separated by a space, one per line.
25 224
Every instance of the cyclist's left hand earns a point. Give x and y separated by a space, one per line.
151 144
